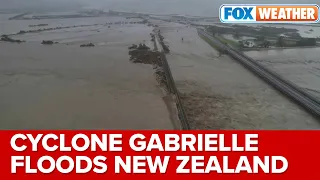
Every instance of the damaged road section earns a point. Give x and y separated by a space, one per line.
171 88
144 55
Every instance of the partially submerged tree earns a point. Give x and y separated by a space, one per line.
261 38
265 44
280 41
307 42
236 35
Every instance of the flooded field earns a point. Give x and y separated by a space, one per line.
218 93
301 65
63 86
303 30
13 26
307 31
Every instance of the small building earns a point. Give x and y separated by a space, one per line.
247 44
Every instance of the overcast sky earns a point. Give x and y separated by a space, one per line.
192 7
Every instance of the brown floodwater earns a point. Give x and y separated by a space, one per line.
218 93
64 86
301 66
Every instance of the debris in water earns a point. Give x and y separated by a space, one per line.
133 46
38 25
164 46
87 45
8 39
142 54
48 42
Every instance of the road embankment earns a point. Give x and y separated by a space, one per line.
292 91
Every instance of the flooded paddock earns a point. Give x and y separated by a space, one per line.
63 86
300 65
219 93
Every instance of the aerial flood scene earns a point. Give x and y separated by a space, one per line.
131 64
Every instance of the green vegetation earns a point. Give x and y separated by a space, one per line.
261 38
236 35
265 44
242 30
228 41
265 37
307 42
281 42
212 44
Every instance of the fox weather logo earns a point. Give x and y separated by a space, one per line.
237 13
270 13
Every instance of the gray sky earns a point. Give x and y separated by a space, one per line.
191 7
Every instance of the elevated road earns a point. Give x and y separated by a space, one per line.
289 89
172 86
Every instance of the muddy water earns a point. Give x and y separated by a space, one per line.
185 7
218 93
303 30
14 26
301 66
68 87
